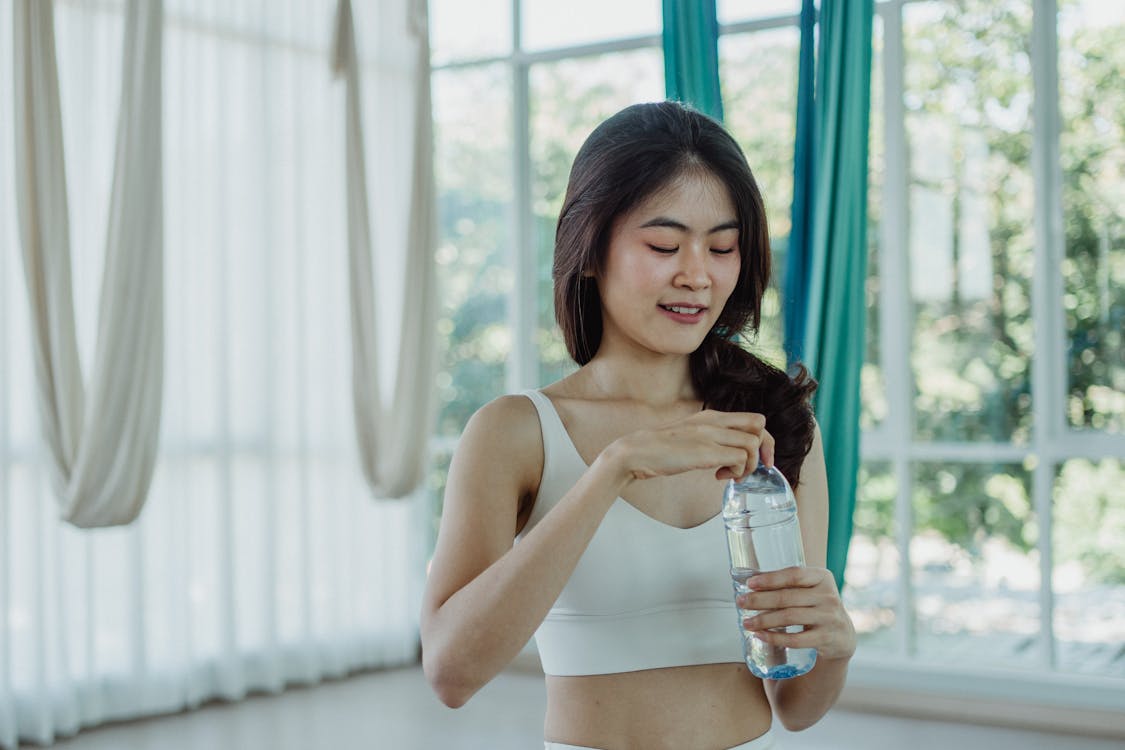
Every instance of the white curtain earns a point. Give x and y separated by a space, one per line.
392 438
259 559
102 448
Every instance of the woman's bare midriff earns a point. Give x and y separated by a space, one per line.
706 707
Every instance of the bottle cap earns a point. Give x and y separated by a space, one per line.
765 488
763 478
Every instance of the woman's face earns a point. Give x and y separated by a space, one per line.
671 265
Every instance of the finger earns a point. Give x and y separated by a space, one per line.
807 638
749 443
793 577
781 599
766 450
726 473
732 453
747 430
682 449
731 462
782 618
829 645
739 430
744 421
727 435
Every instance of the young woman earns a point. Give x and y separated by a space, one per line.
588 513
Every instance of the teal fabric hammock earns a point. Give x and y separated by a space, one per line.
691 55
827 259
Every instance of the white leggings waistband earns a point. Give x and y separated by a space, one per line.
764 742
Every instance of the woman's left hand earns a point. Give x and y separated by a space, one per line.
800 596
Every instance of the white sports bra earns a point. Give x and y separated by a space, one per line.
645 594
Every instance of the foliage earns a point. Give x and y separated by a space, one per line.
1093 161
969 504
971 207
1090 518
472 315
969 127
969 123
874 515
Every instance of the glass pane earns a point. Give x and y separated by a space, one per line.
549 23
473 168
460 30
873 383
1089 573
871 578
568 99
975 566
733 11
1092 149
760 111
968 124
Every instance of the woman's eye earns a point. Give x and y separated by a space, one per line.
667 250
722 250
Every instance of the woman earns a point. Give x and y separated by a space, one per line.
587 513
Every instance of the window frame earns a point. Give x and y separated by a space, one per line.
1052 441
892 441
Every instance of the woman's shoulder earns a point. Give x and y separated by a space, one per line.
506 417
503 438
573 400
517 416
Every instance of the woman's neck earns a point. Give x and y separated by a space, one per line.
657 381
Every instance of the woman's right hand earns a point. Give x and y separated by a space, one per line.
730 443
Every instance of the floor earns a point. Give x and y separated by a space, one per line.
396 711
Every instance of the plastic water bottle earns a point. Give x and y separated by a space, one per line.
760 513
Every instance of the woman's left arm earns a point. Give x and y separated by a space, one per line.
806 596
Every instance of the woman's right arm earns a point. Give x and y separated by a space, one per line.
485 597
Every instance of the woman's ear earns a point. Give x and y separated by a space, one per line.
588 274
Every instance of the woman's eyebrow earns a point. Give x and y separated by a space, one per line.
664 221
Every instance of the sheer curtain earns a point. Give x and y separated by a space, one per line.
260 558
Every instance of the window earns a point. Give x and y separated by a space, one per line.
991 445
993 390
510 112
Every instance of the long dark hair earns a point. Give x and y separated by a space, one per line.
629 157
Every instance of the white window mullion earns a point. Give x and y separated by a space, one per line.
1048 364
968 453
556 54
894 312
522 365
7 453
1095 446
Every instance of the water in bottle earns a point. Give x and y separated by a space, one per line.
760 514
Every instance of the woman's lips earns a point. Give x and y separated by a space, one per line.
682 313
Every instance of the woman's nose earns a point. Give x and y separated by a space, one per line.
693 272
